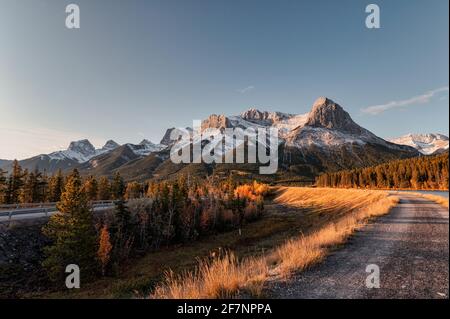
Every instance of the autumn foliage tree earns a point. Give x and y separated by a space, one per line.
133 190
104 248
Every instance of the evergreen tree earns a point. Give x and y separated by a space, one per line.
34 187
425 172
56 186
42 194
91 188
73 233
27 192
14 184
118 187
104 189
2 186
123 232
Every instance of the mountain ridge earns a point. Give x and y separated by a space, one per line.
427 144
326 138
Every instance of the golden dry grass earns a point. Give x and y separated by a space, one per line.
435 198
228 277
221 278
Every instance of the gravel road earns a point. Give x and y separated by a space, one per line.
410 247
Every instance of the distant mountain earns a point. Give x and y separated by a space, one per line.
426 144
77 152
324 139
4 163
82 154
145 147
105 164
166 140
110 145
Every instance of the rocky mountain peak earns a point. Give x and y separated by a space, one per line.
145 142
110 145
263 117
426 138
328 114
83 147
166 140
253 114
216 121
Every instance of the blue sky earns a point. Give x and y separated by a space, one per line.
136 67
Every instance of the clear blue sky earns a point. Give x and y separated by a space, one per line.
137 67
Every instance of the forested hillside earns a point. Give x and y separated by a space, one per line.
426 172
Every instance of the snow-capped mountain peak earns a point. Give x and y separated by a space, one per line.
82 151
425 143
145 142
78 151
264 117
329 125
145 147
110 145
83 147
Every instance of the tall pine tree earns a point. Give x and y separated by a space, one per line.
14 184
56 186
104 189
118 187
73 233
91 188
2 186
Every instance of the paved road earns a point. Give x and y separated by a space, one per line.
37 212
410 246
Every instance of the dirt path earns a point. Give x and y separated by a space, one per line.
410 246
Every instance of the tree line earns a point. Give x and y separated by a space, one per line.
425 172
23 186
154 214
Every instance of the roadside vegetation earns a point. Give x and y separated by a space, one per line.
342 212
435 198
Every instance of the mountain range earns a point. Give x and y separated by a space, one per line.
426 144
324 139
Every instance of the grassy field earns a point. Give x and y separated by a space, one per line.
299 226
